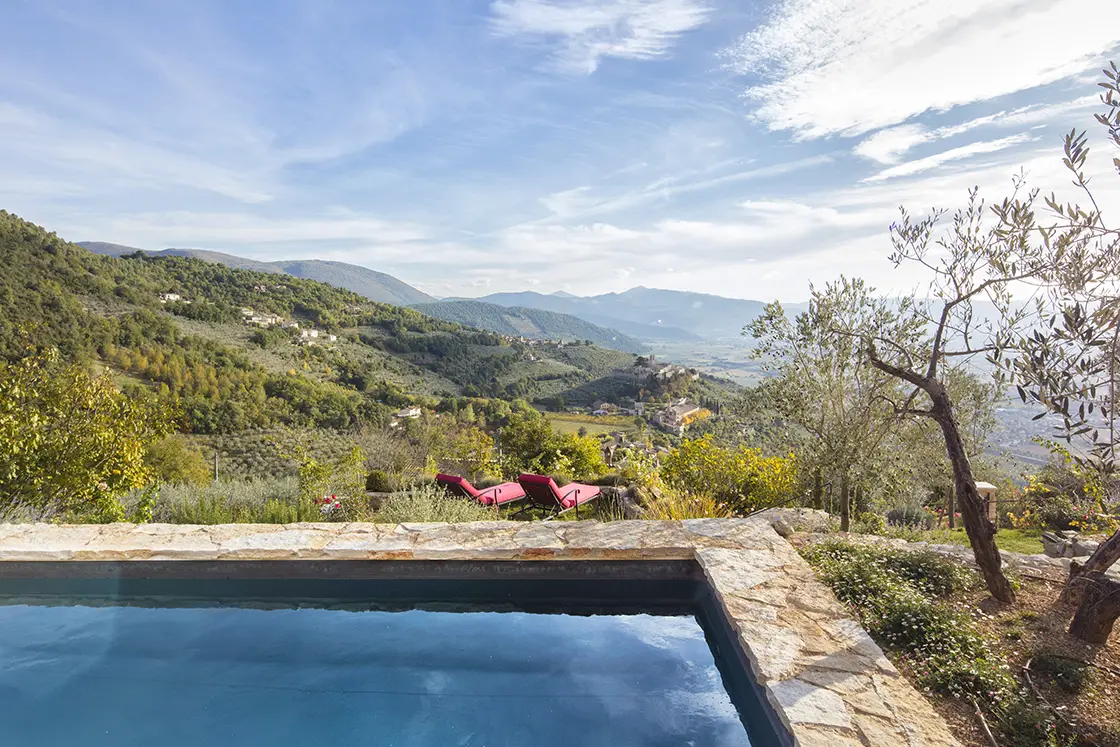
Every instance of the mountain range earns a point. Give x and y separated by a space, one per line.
647 313
531 323
624 321
376 286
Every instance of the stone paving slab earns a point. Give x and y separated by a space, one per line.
829 683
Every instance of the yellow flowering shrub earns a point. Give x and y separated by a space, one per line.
743 479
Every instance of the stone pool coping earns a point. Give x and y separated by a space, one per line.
828 682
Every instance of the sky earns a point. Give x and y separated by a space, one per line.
467 147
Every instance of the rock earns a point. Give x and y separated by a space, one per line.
1067 544
782 527
796 520
1053 545
1082 548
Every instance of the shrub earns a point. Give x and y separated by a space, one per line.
264 501
1072 676
668 504
430 503
70 443
742 478
870 522
378 481
173 460
912 515
1028 724
611 479
894 594
530 445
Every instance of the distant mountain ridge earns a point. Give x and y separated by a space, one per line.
376 286
647 313
530 323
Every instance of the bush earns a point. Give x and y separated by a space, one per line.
894 594
1027 724
173 460
1071 676
265 501
430 503
741 478
669 504
378 481
912 515
869 522
611 480
71 444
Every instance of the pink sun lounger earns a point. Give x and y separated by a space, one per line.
499 495
543 492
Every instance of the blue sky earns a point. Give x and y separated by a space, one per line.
722 146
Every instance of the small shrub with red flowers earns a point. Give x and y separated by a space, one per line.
328 504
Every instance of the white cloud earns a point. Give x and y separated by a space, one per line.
847 67
887 146
955 154
584 32
583 202
192 229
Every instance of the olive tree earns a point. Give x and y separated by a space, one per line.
820 384
1070 364
990 277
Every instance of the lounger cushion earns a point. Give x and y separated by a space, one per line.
577 493
501 494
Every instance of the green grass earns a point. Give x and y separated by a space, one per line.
568 423
1025 541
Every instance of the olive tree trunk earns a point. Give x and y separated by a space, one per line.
1097 597
981 532
1099 607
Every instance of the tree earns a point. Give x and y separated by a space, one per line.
824 387
529 444
173 460
70 443
917 341
1070 366
973 267
975 262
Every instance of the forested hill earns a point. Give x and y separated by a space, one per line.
536 324
375 286
199 355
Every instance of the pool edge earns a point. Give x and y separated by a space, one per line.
823 676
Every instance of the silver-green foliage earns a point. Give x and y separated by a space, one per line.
429 502
261 501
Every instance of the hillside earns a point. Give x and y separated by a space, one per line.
376 286
537 324
198 357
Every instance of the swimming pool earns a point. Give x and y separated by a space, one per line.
290 653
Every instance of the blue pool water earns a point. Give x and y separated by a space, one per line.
175 675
